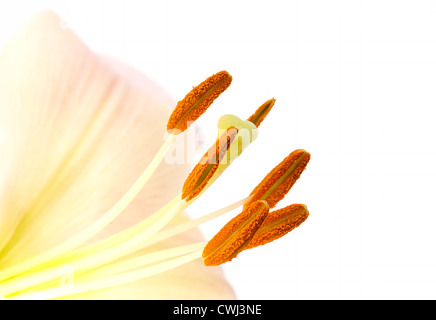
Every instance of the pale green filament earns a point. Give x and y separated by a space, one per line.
116 280
98 258
122 266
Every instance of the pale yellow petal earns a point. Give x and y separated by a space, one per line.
76 133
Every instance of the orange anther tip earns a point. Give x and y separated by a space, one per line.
261 112
196 102
280 180
278 223
235 235
208 164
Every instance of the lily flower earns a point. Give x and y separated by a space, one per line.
88 207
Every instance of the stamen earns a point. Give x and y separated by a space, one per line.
281 179
208 165
235 235
262 112
114 261
197 101
278 223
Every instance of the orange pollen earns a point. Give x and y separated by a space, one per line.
281 179
278 223
208 164
197 101
262 112
235 235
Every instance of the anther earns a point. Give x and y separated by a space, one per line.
278 223
197 101
261 112
281 179
208 165
235 235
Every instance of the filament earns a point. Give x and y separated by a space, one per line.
97 226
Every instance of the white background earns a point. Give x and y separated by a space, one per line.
355 84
